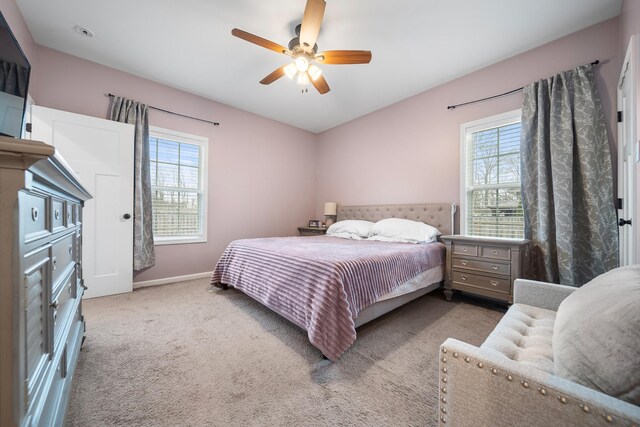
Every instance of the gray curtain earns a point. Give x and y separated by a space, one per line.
13 78
567 180
135 113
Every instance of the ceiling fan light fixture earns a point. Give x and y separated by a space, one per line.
302 64
314 72
290 70
303 79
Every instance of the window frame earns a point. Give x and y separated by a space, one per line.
498 120
203 143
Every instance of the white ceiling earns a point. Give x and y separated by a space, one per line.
416 45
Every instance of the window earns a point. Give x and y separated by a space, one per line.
178 164
490 177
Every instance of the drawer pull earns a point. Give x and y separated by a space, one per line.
463 277
54 262
55 317
55 304
463 262
494 252
70 249
465 249
495 267
69 288
56 214
494 283
35 214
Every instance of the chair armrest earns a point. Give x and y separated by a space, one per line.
480 387
540 294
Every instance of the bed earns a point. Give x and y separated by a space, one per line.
330 286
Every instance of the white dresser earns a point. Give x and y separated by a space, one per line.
41 286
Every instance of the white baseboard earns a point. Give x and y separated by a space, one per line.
167 280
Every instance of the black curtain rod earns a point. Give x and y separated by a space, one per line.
110 95
453 107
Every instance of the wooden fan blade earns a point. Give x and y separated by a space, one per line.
321 84
311 21
344 57
279 72
251 38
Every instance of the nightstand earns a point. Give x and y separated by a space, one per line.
312 231
483 266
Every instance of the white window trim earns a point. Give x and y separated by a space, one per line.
204 143
498 120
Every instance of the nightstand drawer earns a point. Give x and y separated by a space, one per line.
475 280
485 266
462 249
495 252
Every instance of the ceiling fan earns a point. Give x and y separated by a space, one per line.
304 51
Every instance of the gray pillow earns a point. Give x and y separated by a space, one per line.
596 335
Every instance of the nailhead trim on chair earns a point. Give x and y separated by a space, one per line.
562 399
443 409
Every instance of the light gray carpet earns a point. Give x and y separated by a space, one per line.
178 355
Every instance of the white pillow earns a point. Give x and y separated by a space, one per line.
596 334
351 229
403 231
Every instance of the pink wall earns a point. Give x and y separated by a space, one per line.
410 151
630 25
19 28
266 178
261 172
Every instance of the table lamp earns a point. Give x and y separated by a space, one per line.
330 212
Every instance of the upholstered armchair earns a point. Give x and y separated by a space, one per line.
547 362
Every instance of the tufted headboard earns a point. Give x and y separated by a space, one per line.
439 215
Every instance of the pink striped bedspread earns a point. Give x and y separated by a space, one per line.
321 283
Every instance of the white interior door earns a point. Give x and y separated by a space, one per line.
626 156
101 152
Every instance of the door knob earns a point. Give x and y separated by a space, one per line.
622 222
126 216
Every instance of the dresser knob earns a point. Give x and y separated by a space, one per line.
494 283
54 262
465 249
35 214
463 277
495 267
56 214
463 262
495 252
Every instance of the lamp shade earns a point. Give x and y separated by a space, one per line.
330 208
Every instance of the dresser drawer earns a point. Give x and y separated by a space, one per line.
77 213
495 284
463 249
483 266
62 306
71 216
62 257
57 214
46 413
34 212
495 252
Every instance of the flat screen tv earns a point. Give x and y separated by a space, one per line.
14 82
